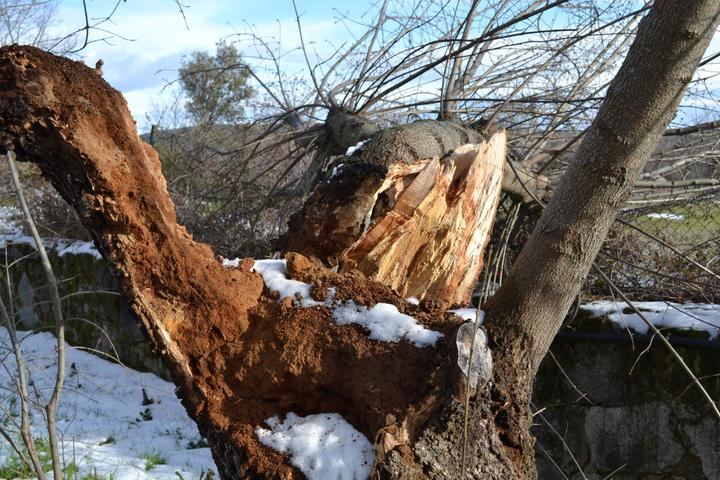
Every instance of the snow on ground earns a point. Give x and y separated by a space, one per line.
383 320
666 216
691 316
104 426
61 245
9 219
322 446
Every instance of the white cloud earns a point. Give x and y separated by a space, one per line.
143 44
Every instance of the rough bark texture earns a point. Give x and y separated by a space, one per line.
334 216
436 138
407 144
237 354
341 130
525 314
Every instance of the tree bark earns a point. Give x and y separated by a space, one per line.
408 144
236 353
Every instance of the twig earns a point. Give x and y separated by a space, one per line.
51 407
488 275
22 390
565 445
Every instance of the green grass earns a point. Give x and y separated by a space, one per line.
700 222
71 470
153 459
15 468
95 476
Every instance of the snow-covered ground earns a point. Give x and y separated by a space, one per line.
666 216
688 316
104 426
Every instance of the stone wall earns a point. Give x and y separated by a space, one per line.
96 315
627 410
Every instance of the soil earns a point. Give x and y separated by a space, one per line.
237 354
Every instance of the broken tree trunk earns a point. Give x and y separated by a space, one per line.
237 354
420 228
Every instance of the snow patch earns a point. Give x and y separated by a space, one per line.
322 446
103 425
235 263
666 216
77 247
61 246
412 301
469 314
358 146
689 316
275 276
336 170
386 323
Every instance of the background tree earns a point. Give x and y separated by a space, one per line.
215 85
26 22
219 194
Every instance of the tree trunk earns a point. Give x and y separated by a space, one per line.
239 356
640 103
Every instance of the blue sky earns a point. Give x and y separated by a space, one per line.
145 41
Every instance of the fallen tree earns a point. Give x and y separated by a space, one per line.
239 356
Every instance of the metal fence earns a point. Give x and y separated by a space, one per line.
666 248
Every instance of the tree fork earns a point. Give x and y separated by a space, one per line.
207 322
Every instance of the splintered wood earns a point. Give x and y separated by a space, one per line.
429 244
